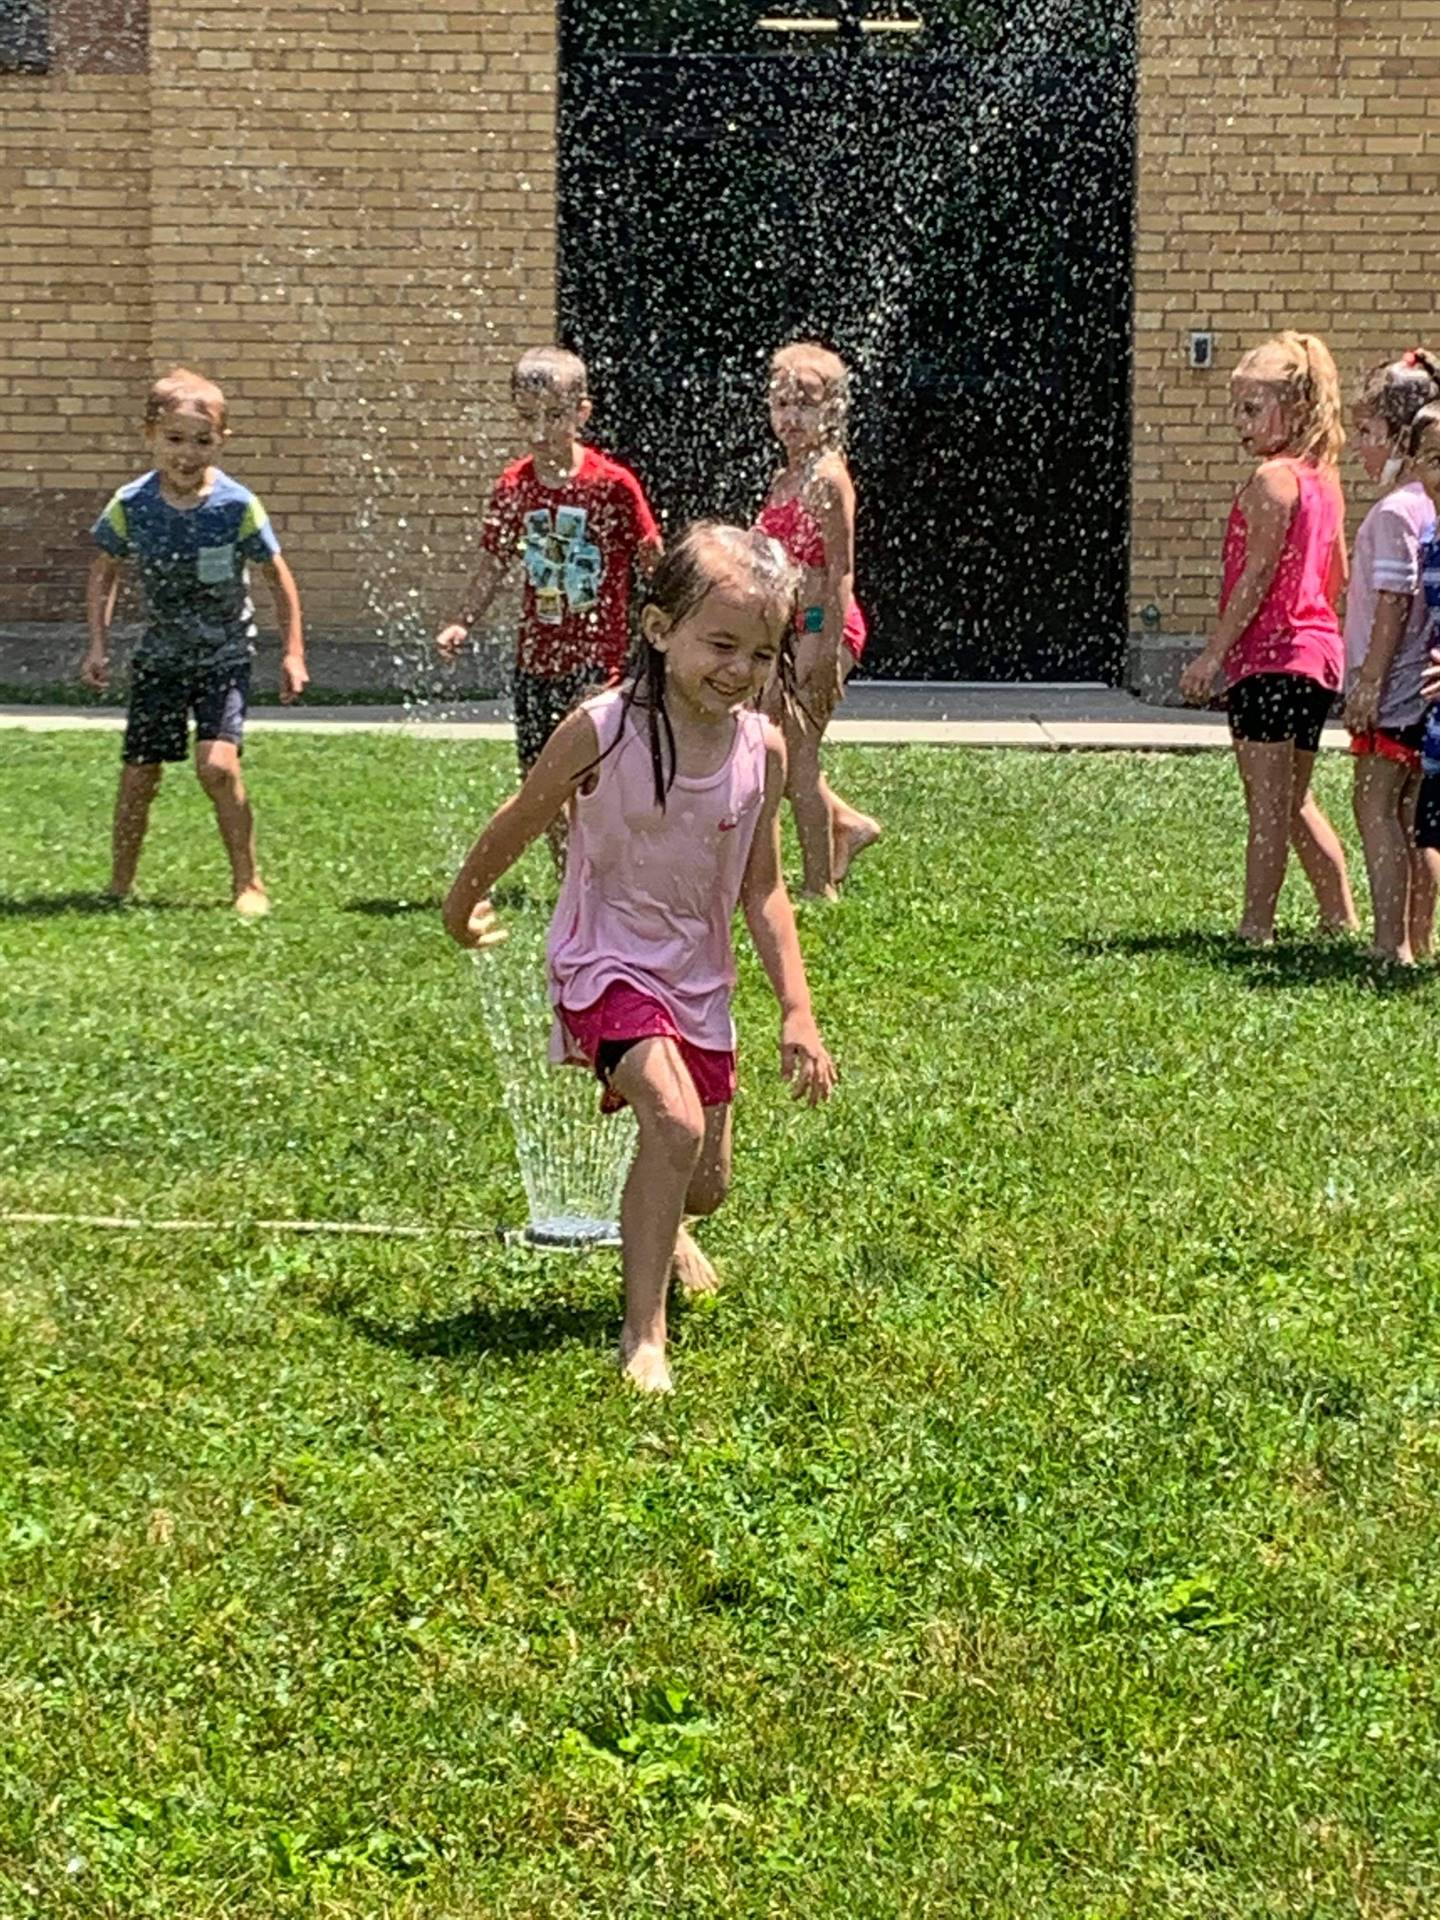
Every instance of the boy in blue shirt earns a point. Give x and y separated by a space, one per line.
191 531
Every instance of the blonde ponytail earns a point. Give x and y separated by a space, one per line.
1302 367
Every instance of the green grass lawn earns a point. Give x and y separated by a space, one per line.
1045 1524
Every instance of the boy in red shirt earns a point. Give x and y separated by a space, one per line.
580 522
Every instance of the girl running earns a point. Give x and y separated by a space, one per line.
1385 627
673 783
810 510
1278 637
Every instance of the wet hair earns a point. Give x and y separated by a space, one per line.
707 555
551 370
1424 420
807 360
1395 391
181 388
1301 369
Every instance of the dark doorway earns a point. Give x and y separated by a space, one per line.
947 201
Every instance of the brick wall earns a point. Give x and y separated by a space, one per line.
345 215
1289 157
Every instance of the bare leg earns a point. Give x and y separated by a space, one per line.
851 832
1379 794
708 1187
217 766
1267 770
138 785
1422 883
1321 854
1430 860
810 803
671 1125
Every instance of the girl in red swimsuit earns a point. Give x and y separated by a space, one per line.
810 510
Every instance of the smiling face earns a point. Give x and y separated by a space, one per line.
719 655
184 444
1260 417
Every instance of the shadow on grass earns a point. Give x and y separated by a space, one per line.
510 896
50 906
1287 964
484 1330
391 909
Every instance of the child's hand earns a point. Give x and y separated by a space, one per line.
293 679
449 642
1430 679
804 1061
1362 706
482 929
1197 682
94 672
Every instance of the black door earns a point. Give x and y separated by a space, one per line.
951 211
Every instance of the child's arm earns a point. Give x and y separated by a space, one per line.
771 920
100 590
1362 703
482 590
1268 504
566 758
294 677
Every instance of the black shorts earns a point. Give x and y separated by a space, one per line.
541 702
1270 708
1427 813
164 694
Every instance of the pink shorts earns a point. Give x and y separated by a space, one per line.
604 1033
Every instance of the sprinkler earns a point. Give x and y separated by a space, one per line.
565 1235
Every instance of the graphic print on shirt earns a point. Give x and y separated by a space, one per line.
563 567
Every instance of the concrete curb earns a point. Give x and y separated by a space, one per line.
1202 733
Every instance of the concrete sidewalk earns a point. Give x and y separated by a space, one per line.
874 713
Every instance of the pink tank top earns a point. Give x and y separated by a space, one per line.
1297 629
649 896
795 527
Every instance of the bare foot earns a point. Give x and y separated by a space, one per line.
817 893
1388 957
1255 936
644 1365
691 1269
252 902
853 839
1337 929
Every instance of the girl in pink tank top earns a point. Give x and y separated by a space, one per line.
673 783
810 510
1277 639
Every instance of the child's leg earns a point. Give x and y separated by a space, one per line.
1267 772
708 1187
217 766
1422 881
851 832
1320 851
1379 794
809 798
671 1124
137 789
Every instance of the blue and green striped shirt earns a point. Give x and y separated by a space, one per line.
192 565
